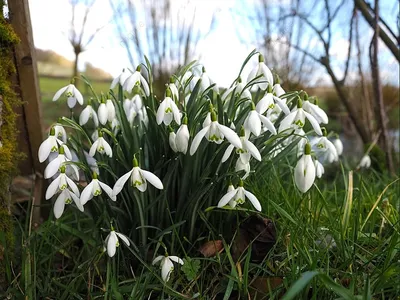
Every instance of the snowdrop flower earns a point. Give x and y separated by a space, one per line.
182 137
278 90
66 197
239 89
240 166
138 179
101 146
269 101
365 162
53 167
253 123
304 172
232 203
174 90
171 140
110 110
167 111
315 111
302 141
319 169
261 69
121 78
297 118
60 184
324 148
95 188
136 79
72 94
166 265
112 241
60 133
102 113
246 151
88 113
239 196
51 145
115 126
205 82
215 132
338 145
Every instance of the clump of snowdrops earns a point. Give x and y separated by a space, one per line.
138 165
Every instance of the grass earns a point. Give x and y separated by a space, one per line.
321 252
340 240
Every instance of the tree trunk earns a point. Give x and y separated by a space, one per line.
380 106
374 23
358 124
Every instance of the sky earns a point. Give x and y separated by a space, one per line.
222 51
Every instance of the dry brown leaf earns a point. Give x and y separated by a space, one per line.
211 248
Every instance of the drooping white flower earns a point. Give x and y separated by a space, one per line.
166 265
60 132
297 119
324 148
54 166
112 241
174 90
171 140
51 144
269 101
278 90
238 196
239 89
101 146
253 123
206 81
338 145
319 169
304 172
136 79
168 111
247 150
121 78
110 110
240 166
232 203
182 137
138 179
95 188
316 112
215 132
72 93
102 113
115 126
61 183
88 113
66 197
365 162
261 69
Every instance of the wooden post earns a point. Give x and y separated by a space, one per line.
30 123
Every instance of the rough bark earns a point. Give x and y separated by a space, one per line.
380 106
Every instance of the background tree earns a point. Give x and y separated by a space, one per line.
79 35
166 31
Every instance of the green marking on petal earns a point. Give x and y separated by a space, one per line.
168 110
68 201
63 187
97 192
299 123
54 149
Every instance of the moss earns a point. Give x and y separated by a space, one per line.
8 137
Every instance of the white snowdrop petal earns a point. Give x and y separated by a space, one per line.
153 179
120 183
